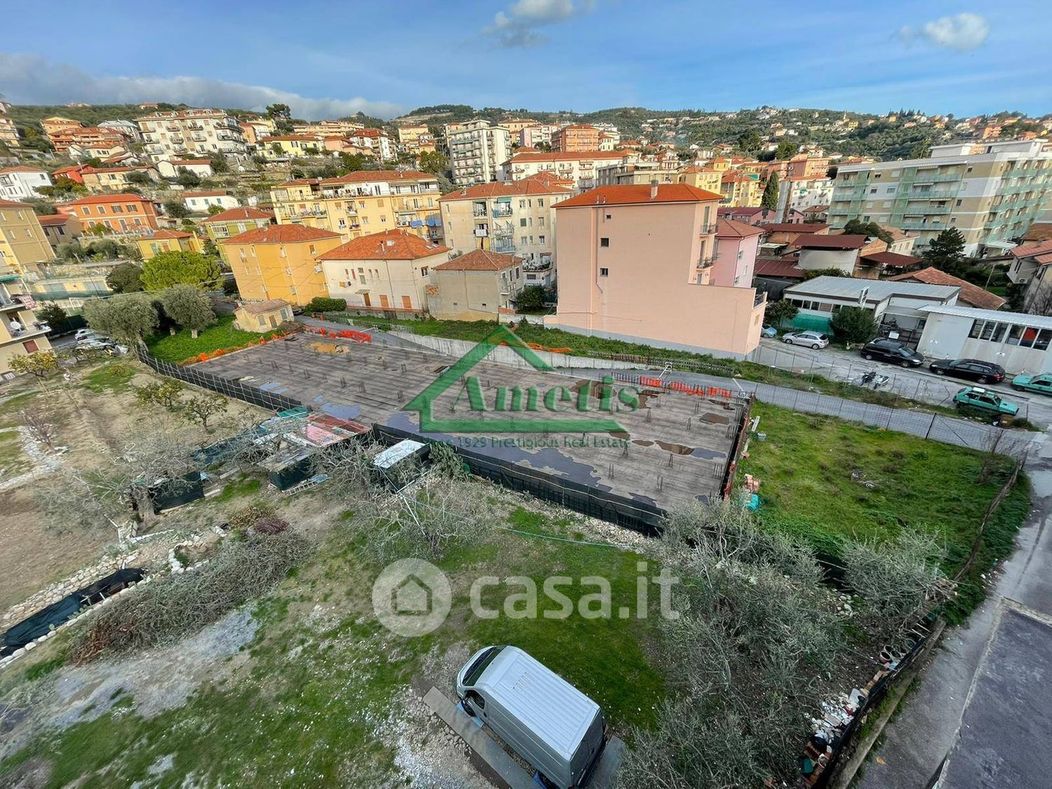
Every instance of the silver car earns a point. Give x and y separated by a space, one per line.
811 339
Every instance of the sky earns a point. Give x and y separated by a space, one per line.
327 59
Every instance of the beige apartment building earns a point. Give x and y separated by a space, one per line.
383 271
706 178
8 129
511 218
363 202
635 263
21 332
477 286
476 151
23 243
991 192
576 137
181 133
580 168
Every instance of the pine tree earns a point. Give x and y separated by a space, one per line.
946 251
770 193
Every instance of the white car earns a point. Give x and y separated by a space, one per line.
811 339
85 334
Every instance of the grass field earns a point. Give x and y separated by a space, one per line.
181 347
830 480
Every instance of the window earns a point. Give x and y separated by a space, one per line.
604 272
522 222
604 242
540 203
423 271
540 239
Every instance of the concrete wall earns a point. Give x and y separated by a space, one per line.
946 337
649 290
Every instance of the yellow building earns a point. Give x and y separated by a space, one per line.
22 239
707 178
169 241
279 262
740 189
21 333
234 221
114 179
288 146
364 202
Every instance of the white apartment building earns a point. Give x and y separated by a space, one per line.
990 191
806 192
580 167
537 134
182 133
126 129
476 151
21 182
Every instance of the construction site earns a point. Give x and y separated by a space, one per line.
660 447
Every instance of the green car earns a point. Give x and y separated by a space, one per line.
981 401
1042 384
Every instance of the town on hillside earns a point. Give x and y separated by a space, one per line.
476 447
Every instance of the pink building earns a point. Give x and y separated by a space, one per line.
736 246
636 263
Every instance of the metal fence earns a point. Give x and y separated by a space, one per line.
223 386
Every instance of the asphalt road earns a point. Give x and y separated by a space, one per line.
916 383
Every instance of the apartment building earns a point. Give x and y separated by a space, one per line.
8 129
476 151
279 262
118 213
415 138
372 142
740 188
805 166
168 241
21 332
635 173
535 135
636 263
363 202
254 129
56 128
170 168
290 146
22 182
990 192
734 260
511 218
705 178
576 137
478 286
60 228
23 243
328 128
580 168
388 270
114 179
181 133
808 191
203 202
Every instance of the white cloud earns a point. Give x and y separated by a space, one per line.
517 25
961 32
30 79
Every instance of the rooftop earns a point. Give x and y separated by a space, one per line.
117 198
239 214
876 289
893 259
634 194
817 241
527 186
168 234
794 227
256 307
564 156
54 219
729 228
1014 318
971 294
364 176
280 234
480 260
388 245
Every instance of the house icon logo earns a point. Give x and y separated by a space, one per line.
411 597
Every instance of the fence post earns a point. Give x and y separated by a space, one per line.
930 426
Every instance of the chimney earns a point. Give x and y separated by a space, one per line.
653 189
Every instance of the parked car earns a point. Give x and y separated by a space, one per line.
811 339
891 351
768 331
101 344
975 399
541 716
970 369
1042 383
85 334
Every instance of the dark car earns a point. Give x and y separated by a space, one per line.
970 369
892 351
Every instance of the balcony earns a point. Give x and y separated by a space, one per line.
706 262
709 229
502 209
479 212
26 333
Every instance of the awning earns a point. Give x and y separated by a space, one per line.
416 223
434 221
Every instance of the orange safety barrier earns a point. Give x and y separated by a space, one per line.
679 386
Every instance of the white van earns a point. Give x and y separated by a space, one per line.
541 716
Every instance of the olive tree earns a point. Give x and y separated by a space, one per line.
189 307
127 317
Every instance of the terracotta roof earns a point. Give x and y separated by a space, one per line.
816 241
970 294
257 307
728 228
634 194
737 176
1031 250
527 186
280 234
379 175
118 198
893 259
54 219
239 215
779 268
1039 231
563 156
388 245
480 260
12 204
815 209
162 234
793 227
289 138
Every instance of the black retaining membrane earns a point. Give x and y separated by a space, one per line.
42 622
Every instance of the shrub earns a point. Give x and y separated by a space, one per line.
244 518
323 304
